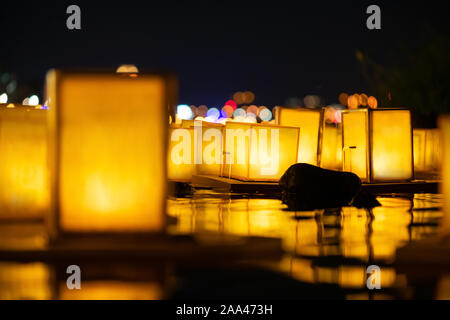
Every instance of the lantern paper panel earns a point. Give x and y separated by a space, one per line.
309 122
377 144
259 152
331 146
24 174
355 143
444 127
109 146
209 145
392 150
427 150
180 157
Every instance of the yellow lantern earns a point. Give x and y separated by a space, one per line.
426 151
256 152
444 126
108 152
309 122
377 144
180 158
24 175
331 146
209 147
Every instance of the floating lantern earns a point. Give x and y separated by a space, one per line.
426 150
444 126
309 122
108 152
377 144
24 175
209 149
257 152
180 157
331 146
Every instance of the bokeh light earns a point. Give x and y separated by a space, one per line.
239 112
212 115
202 110
265 114
4 98
343 99
227 111
372 102
252 110
353 102
184 112
249 97
232 104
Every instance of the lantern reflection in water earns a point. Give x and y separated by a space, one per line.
109 139
24 174
258 152
377 144
309 122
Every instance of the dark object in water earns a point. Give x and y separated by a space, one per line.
305 187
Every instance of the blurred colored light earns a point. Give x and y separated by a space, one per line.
238 97
343 99
213 113
372 102
249 97
353 102
265 114
184 112
128 68
202 110
239 113
4 98
364 99
227 111
231 103
33 101
253 110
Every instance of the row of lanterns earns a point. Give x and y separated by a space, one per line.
98 160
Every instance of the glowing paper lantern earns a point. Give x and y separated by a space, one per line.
259 152
24 174
331 146
309 122
209 149
444 126
427 151
377 144
180 156
108 152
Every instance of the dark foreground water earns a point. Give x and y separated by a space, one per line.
326 253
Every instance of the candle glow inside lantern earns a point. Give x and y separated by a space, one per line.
24 174
377 144
108 152
427 150
180 158
209 145
309 122
255 152
331 146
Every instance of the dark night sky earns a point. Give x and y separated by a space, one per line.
276 49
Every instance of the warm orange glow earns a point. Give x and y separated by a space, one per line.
444 127
343 99
259 152
309 123
24 174
109 159
427 150
180 156
389 156
331 149
372 102
353 102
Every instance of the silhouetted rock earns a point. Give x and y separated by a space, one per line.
306 187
